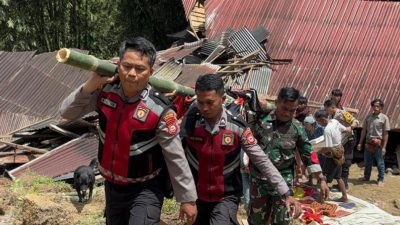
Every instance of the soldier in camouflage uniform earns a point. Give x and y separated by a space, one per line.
280 135
349 141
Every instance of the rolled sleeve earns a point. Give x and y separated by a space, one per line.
262 161
178 167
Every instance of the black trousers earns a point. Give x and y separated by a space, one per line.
348 155
218 213
137 204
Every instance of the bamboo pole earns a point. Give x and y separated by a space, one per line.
104 68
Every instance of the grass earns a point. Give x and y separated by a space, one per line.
34 183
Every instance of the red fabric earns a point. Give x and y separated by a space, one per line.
211 152
314 157
120 130
179 103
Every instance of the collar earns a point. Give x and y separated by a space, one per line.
143 94
221 122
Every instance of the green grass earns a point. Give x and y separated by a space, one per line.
34 183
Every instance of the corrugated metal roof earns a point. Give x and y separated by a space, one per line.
351 45
257 79
63 159
191 72
33 87
188 5
244 44
176 53
169 71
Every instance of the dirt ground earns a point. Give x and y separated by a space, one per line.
369 191
61 208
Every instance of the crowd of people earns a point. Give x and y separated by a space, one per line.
144 147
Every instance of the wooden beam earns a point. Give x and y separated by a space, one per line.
24 147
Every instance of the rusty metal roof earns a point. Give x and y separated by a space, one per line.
32 87
191 72
351 45
188 5
62 160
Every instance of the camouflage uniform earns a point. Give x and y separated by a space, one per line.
279 141
348 142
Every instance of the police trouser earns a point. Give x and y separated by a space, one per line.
134 204
218 213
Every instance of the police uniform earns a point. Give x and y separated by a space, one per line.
279 140
138 140
213 153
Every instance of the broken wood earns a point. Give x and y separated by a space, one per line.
24 147
63 131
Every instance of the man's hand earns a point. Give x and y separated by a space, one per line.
359 147
383 151
96 82
188 210
324 191
293 207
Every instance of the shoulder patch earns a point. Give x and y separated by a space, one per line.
171 121
248 135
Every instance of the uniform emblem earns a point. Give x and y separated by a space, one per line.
141 113
170 120
251 140
227 139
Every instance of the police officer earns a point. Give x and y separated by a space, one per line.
138 135
214 138
280 136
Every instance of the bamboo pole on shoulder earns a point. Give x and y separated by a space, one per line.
105 68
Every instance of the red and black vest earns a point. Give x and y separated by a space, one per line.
213 159
128 149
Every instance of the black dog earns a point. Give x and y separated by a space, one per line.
84 179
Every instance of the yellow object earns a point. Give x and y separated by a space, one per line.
298 192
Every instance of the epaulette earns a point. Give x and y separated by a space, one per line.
238 120
160 98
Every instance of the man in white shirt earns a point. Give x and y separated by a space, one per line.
334 150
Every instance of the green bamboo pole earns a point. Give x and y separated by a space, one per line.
104 68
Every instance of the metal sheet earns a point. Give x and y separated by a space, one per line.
63 159
351 45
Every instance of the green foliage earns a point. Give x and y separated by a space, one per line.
95 25
170 207
34 183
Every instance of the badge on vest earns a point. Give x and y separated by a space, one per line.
108 102
170 120
141 113
227 139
